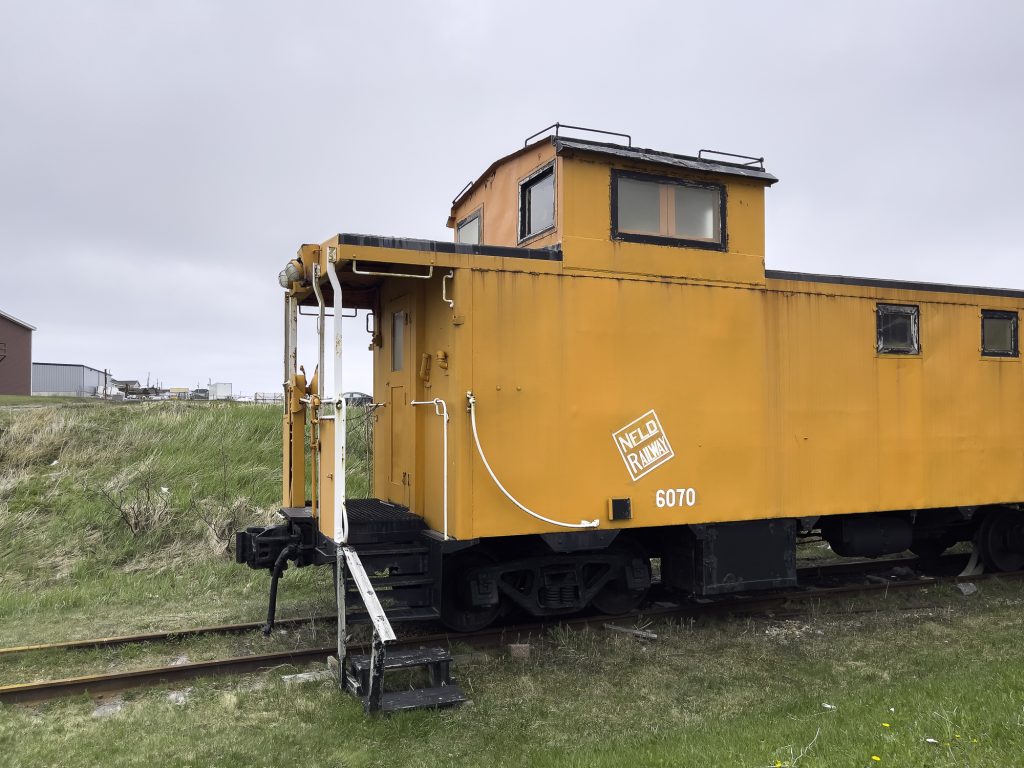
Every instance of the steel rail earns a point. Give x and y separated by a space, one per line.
117 682
148 637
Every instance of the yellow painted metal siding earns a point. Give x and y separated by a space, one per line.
773 399
562 363
861 431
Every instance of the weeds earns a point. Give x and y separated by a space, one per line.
141 504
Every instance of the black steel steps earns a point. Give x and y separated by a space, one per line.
423 698
383 550
375 521
399 570
397 581
441 692
414 657
396 615
390 568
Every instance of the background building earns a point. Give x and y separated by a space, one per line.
15 356
70 380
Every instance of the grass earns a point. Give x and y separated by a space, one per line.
739 693
711 693
119 519
38 400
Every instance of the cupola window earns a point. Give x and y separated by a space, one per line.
669 211
468 230
537 203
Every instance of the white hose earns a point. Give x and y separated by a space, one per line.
497 482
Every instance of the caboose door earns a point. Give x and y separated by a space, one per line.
399 382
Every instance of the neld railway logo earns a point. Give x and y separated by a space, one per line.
643 445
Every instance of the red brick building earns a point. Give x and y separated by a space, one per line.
15 356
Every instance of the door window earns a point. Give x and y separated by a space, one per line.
397 340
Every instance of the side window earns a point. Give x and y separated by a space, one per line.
3 350
667 211
537 203
999 333
397 340
898 329
469 229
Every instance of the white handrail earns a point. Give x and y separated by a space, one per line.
441 409
320 330
379 619
340 512
356 270
480 450
444 289
341 415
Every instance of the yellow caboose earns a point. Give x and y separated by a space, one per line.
600 370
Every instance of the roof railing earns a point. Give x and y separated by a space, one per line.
758 161
559 126
461 193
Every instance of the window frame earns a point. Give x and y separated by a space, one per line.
525 182
1001 314
478 213
722 244
3 351
914 312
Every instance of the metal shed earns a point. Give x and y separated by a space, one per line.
67 379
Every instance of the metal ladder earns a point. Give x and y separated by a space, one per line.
363 674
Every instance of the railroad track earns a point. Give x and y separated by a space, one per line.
149 637
105 684
818 572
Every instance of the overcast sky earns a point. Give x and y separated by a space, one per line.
160 161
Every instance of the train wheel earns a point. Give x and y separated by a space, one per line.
616 597
1000 539
457 611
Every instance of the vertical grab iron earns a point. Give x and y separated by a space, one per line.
441 409
340 439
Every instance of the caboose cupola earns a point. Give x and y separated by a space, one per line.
614 207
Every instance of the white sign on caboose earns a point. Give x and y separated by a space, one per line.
643 445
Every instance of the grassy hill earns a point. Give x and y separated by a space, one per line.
121 517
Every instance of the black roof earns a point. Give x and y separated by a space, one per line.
563 144
750 171
896 285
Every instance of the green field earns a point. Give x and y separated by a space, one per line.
91 543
